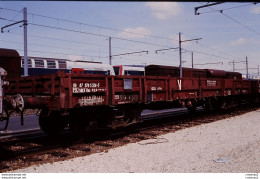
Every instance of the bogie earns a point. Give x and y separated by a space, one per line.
52 122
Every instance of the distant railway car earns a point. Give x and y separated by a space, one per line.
234 75
159 70
40 66
129 70
223 74
83 67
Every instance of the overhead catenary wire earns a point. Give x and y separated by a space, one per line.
91 25
116 37
84 55
57 53
49 46
106 56
65 47
215 50
100 35
221 10
231 57
147 61
71 41
212 55
90 33
245 26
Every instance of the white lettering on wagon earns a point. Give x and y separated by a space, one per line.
179 84
90 100
116 96
86 85
153 88
87 88
211 83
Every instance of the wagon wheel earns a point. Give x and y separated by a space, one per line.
51 122
4 120
79 123
86 123
207 105
216 104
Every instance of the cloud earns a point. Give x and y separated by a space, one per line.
75 57
255 10
240 41
174 39
139 32
164 10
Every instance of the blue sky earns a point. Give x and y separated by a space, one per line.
135 27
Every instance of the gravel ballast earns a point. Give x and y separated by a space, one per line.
230 145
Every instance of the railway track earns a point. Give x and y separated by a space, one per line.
25 152
150 114
14 139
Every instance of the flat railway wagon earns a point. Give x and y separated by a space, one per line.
87 102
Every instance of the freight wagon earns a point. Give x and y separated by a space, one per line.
87 102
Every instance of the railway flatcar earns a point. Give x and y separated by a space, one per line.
129 70
89 102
